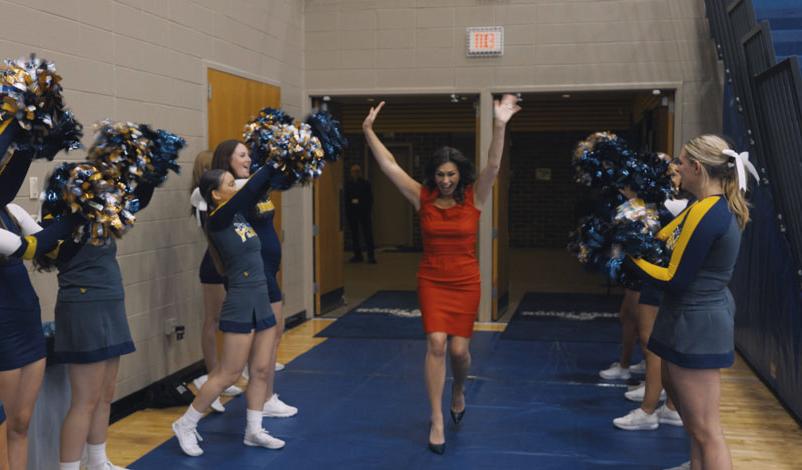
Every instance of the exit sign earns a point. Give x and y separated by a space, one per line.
485 41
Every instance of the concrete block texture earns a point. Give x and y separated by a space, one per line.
146 61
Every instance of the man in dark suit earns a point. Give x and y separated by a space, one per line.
358 207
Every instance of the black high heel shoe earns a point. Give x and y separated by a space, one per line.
438 449
456 416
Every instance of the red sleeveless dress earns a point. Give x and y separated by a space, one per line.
448 274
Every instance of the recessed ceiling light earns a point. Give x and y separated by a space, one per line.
566 95
656 92
371 100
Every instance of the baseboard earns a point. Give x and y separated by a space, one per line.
332 300
136 401
294 320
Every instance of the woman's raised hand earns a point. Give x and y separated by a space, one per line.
505 109
367 124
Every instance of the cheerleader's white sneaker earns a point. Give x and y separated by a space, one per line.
275 408
637 394
615 372
188 438
639 368
685 466
668 416
262 438
217 406
232 391
637 420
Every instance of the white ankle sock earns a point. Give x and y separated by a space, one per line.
96 454
69 465
254 419
192 417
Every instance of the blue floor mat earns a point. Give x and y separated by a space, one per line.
388 314
565 317
363 405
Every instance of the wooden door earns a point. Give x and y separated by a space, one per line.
329 242
232 101
392 213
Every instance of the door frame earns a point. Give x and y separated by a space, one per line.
485 117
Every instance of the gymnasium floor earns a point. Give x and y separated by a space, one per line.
530 404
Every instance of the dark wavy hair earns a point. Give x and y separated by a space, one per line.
222 154
465 167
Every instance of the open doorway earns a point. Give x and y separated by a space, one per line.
539 203
412 128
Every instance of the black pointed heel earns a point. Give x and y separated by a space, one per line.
456 416
438 449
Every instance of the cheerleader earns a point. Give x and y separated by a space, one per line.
233 156
212 285
22 343
694 330
650 414
92 333
627 313
246 319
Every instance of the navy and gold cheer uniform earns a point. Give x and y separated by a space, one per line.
261 219
91 321
650 294
247 304
695 323
21 339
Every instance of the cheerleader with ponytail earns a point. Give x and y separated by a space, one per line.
246 319
694 330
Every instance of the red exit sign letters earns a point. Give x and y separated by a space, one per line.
485 41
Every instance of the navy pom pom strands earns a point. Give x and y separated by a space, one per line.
631 186
297 151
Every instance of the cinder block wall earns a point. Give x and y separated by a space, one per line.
415 46
142 60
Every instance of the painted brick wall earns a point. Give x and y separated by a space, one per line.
143 61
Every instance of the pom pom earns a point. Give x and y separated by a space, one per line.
601 164
32 96
134 153
328 131
590 243
295 155
85 189
602 244
121 150
102 189
649 178
163 154
608 163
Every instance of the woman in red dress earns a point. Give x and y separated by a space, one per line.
449 203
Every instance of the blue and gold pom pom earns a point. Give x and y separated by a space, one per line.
31 94
292 151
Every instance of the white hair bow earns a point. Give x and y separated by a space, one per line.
742 164
198 203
